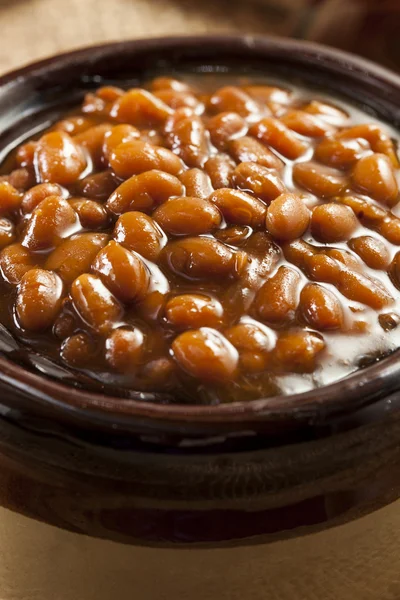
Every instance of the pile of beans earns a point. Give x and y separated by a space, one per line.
216 244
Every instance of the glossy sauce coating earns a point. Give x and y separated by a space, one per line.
218 241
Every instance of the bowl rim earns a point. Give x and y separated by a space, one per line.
346 395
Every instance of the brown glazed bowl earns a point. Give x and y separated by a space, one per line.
212 478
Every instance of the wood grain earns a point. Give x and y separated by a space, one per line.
33 29
356 562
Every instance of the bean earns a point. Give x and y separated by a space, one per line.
248 149
134 157
238 297
255 362
258 180
78 350
360 288
206 354
39 299
65 324
321 267
98 186
324 182
109 93
187 216
220 169
197 183
259 243
390 229
94 303
266 94
21 179
372 251
351 283
298 253
93 105
152 136
74 125
367 213
239 208
125 349
389 321
233 236
192 311
331 223
116 136
156 345
7 232
233 99
176 99
225 127
58 159
287 217
51 221
327 112
394 270
187 138
136 231
169 83
251 336
142 192
274 133
140 108
10 198
36 194
92 140
320 308
343 256
160 374
297 351
340 154
379 140
276 301
202 258
15 261
26 154
123 272
318 266
177 115
75 255
151 308
374 217
253 341
374 176
92 215
307 124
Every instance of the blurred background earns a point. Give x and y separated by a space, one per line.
32 29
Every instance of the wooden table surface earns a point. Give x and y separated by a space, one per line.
33 29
